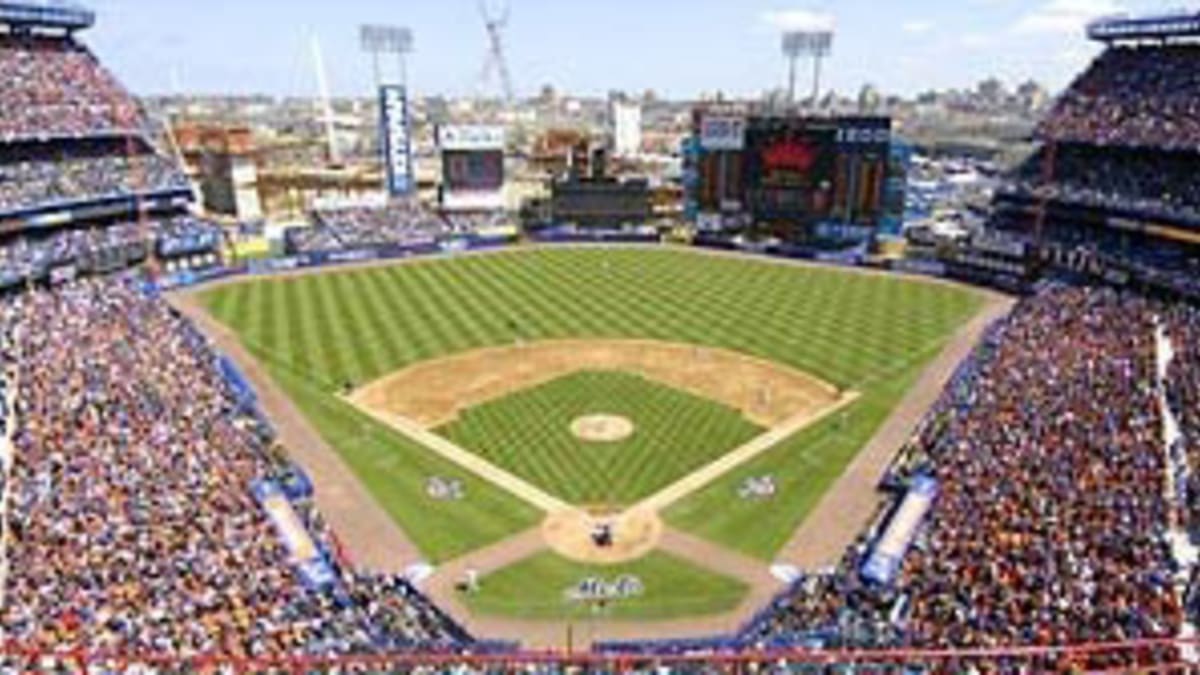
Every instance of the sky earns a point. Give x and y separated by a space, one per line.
679 48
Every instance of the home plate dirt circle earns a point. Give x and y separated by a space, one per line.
571 533
602 428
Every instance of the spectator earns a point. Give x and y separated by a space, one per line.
132 524
397 224
1133 96
54 87
1049 527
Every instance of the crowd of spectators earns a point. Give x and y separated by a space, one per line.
133 526
397 224
55 87
466 223
63 180
1126 136
1126 258
1156 184
833 609
32 253
1133 96
1050 523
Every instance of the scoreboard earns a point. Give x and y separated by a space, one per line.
862 169
789 168
802 178
472 167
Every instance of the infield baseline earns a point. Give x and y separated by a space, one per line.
712 372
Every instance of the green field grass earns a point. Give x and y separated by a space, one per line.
396 470
803 467
536 588
317 333
528 433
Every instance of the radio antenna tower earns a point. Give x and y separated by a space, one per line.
495 24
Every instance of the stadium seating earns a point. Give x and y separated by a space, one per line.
1153 183
31 254
1116 174
1183 389
1050 524
72 138
399 224
54 87
133 525
1133 96
48 181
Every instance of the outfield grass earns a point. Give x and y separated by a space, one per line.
396 470
528 433
803 468
536 588
866 332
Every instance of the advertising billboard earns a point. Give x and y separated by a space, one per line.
396 140
470 137
722 132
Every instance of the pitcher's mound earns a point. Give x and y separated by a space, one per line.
602 428
629 535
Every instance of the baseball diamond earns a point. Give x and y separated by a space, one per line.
474 369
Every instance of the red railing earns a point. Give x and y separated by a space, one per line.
1134 656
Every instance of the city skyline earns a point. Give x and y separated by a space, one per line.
678 49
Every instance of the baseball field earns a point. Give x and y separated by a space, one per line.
710 396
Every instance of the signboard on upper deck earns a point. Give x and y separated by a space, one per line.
723 132
470 137
396 138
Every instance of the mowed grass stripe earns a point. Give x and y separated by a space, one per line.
528 433
379 318
536 588
855 330
395 324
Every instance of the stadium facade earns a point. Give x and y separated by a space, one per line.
1111 192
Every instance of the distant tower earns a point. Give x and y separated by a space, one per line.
495 61
626 127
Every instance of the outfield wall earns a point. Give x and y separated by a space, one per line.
855 259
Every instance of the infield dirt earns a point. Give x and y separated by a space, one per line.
432 393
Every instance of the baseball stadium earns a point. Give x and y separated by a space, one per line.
421 434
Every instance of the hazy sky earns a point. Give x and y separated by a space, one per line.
677 47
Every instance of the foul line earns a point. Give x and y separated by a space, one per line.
655 503
708 473
519 487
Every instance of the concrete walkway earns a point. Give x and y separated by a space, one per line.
852 501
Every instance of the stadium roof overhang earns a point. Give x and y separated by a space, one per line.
1114 29
53 14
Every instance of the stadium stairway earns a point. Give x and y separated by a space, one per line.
1186 553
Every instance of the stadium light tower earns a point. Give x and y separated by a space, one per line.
814 43
377 40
